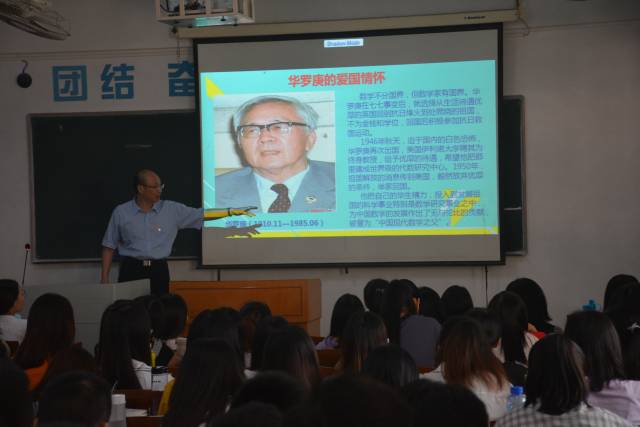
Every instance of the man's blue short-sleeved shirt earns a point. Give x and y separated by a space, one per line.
149 235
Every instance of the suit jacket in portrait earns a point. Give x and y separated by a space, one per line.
317 192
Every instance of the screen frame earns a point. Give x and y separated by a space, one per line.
498 27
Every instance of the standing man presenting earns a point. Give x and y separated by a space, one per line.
143 231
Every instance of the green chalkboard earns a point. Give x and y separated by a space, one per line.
83 166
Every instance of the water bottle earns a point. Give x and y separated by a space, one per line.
118 411
592 306
516 399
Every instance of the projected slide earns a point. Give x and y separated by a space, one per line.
385 150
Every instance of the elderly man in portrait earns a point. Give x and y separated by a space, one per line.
275 135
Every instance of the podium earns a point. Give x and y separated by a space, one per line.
298 300
89 302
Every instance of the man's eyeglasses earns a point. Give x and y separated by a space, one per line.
155 187
275 128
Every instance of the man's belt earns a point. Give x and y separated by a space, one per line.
147 263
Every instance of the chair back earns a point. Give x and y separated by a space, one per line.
144 421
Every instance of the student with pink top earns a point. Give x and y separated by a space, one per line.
609 388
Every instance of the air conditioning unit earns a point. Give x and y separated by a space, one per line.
204 13
35 17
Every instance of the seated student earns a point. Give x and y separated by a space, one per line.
291 350
362 334
516 371
274 388
12 328
352 401
533 297
74 358
50 328
608 388
155 308
251 414
430 304
557 390
456 300
344 307
391 365
624 312
222 323
466 359
209 375
124 352
418 335
374 294
516 340
444 405
264 328
81 398
251 313
617 283
173 322
16 407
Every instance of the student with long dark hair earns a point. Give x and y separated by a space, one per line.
274 388
16 406
291 350
417 334
251 313
264 328
557 390
363 333
173 322
74 358
391 365
598 339
516 341
210 374
75 399
50 328
222 323
374 294
534 299
619 282
124 350
466 359
430 303
516 371
344 307
624 312
456 300
444 405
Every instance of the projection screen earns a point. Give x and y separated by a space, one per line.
385 145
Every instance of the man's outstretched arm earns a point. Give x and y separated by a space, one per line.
213 214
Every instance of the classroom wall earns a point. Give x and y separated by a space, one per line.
580 84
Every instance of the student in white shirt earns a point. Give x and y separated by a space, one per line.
12 327
466 359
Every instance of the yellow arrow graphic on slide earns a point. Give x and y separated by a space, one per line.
463 208
212 89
